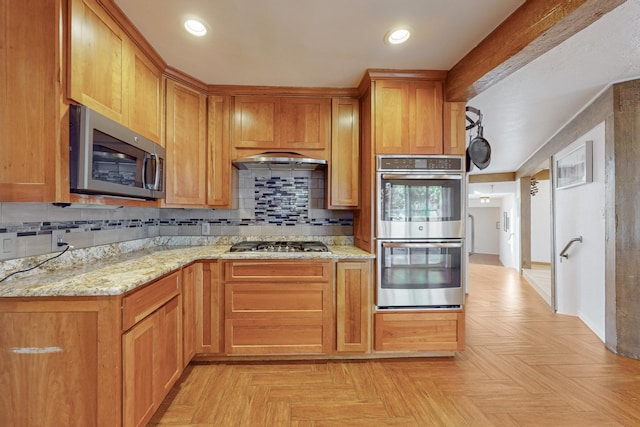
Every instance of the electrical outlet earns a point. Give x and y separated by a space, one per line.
8 245
206 228
57 236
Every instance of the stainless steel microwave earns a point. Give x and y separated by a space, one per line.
106 158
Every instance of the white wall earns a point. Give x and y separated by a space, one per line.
541 223
580 211
487 236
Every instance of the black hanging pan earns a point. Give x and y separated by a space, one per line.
479 151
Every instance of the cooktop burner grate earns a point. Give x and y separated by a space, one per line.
279 246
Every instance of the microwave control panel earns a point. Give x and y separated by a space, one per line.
421 163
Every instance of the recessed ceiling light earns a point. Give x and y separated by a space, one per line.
397 36
195 27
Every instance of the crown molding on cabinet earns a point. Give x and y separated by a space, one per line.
127 26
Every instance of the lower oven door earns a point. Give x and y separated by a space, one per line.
420 274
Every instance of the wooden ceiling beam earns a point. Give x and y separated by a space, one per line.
532 30
492 177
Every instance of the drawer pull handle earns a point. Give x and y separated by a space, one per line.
36 350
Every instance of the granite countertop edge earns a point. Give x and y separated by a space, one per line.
117 276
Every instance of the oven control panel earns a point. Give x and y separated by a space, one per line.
421 163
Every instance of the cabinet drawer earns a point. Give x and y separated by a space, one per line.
140 304
419 331
282 271
278 300
276 336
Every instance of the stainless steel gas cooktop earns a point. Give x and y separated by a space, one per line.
279 246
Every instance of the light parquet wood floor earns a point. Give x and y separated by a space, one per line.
523 366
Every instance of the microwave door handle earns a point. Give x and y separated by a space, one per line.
422 245
418 176
156 178
144 170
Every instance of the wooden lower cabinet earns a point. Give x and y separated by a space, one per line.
278 307
60 362
419 331
152 349
353 306
209 310
191 278
138 363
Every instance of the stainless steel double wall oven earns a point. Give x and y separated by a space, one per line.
420 219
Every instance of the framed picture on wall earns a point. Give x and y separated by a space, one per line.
575 167
505 221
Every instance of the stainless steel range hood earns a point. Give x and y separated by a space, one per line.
279 161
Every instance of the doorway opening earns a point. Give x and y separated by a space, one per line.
538 273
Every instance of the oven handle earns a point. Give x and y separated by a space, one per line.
422 245
417 176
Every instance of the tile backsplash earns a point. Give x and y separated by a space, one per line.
270 203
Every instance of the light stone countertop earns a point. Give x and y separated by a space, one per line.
118 275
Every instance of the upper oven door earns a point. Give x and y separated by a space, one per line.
420 205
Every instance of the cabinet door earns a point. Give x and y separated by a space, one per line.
210 310
185 145
191 279
169 348
344 181
391 117
425 117
256 122
145 96
30 105
455 122
97 56
363 217
353 288
138 366
305 123
219 170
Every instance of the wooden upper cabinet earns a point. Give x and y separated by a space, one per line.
186 145
305 123
98 54
219 170
425 117
31 154
145 96
344 188
269 123
455 123
256 122
391 116
110 74
408 117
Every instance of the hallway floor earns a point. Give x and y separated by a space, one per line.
523 366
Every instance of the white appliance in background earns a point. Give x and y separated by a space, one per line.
420 231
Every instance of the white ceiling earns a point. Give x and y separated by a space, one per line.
330 43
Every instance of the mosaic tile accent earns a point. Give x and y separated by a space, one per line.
282 201
46 227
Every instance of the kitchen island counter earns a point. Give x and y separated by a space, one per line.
119 274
